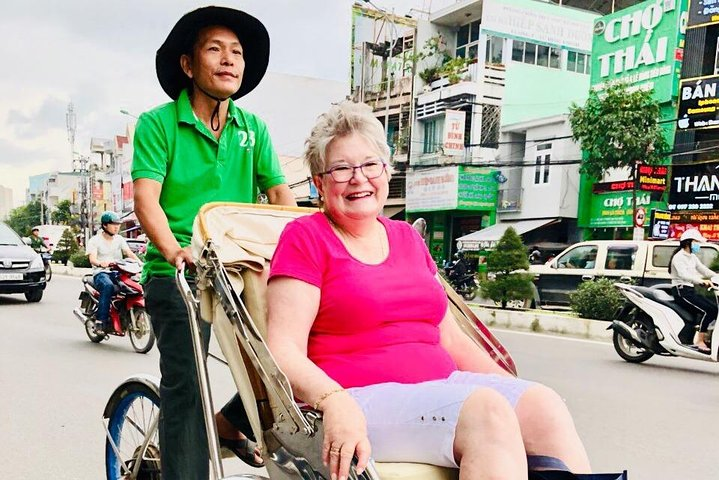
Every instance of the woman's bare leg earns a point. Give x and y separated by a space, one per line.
488 441
548 429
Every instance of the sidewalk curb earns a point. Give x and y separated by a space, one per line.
70 270
544 322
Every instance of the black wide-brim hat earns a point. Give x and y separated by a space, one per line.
250 31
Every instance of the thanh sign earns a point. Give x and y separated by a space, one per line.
698 103
694 187
641 45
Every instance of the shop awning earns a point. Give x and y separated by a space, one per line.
488 237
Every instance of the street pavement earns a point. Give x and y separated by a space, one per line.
658 420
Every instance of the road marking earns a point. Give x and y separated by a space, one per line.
554 337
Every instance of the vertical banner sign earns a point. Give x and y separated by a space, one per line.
659 221
453 142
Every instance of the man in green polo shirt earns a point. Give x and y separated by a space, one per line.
197 149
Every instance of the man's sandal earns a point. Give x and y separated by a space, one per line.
244 450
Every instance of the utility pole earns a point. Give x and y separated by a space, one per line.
71 123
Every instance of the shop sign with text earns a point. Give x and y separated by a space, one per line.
659 222
651 179
706 222
453 142
616 209
694 187
641 45
478 189
698 104
703 12
432 189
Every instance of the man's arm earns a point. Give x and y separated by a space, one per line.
129 254
154 222
281 195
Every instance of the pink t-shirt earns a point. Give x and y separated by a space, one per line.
376 323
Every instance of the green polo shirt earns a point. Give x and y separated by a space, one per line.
173 147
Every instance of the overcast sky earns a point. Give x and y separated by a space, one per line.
100 55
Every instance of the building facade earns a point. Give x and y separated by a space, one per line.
694 186
643 46
527 61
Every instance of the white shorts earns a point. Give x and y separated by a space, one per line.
416 422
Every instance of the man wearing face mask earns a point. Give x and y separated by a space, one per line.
199 148
687 271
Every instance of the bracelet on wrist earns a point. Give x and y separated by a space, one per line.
324 396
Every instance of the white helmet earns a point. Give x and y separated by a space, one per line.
692 234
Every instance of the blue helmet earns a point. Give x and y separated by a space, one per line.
109 217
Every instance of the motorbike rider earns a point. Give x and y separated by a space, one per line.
38 243
103 249
687 271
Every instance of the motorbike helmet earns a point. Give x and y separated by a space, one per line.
692 234
110 217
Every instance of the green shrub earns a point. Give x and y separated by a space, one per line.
598 299
80 260
66 247
508 256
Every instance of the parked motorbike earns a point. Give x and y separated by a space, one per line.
460 275
652 323
127 308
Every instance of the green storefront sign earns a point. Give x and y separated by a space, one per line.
615 209
641 45
477 189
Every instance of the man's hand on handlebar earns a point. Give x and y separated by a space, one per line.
707 283
183 256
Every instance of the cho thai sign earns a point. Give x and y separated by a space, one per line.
453 142
703 12
616 209
641 45
698 103
694 187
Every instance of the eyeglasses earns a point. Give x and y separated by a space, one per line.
344 173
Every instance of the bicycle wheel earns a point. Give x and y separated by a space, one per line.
132 447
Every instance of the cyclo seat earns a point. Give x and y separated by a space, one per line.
233 244
661 294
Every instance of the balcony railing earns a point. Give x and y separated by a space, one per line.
509 200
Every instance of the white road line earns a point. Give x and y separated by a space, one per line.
553 337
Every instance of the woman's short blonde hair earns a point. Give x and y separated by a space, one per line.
341 120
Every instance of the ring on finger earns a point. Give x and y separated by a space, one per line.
335 450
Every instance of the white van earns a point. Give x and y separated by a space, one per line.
644 262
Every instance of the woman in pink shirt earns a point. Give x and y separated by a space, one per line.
361 327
